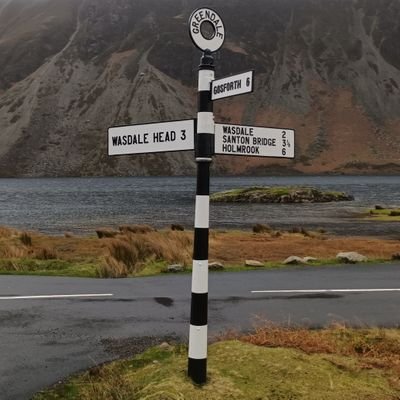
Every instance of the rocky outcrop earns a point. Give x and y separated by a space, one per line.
351 257
253 263
279 195
293 260
216 266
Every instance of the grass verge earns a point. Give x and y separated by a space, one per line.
272 363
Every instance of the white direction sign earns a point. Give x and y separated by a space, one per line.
151 138
232 85
256 141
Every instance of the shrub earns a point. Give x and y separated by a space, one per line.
260 228
136 228
177 227
25 238
106 233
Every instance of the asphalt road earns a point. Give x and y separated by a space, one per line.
43 340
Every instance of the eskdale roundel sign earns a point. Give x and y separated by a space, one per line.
207 29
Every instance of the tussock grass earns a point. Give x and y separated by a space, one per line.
12 251
25 238
6 232
45 253
375 347
136 228
106 233
129 253
272 363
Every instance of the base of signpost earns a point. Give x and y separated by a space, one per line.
197 370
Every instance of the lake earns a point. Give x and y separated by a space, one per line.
80 205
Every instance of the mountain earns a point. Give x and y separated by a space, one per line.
70 69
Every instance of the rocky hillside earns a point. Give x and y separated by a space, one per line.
70 69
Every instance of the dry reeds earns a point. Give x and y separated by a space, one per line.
6 232
129 252
25 238
12 251
44 253
374 346
136 228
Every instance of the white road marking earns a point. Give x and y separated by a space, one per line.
327 290
55 296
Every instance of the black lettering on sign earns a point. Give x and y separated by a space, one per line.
158 137
195 27
264 141
170 136
241 149
183 134
210 15
130 139
238 130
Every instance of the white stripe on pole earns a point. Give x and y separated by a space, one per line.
205 122
206 76
201 219
200 276
198 342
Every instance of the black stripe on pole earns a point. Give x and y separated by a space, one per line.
198 370
205 103
200 247
203 179
205 145
198 310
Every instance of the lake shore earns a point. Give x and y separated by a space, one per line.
121 253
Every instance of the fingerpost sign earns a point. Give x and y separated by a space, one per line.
206 138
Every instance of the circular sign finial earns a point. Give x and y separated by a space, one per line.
206 29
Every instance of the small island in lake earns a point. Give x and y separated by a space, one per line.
267 194
380 213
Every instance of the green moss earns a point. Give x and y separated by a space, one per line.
386 214
28 266
236 370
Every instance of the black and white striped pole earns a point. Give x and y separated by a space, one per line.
204 150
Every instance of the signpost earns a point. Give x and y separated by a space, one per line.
207 32
232 85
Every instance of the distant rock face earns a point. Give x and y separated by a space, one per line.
71 69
